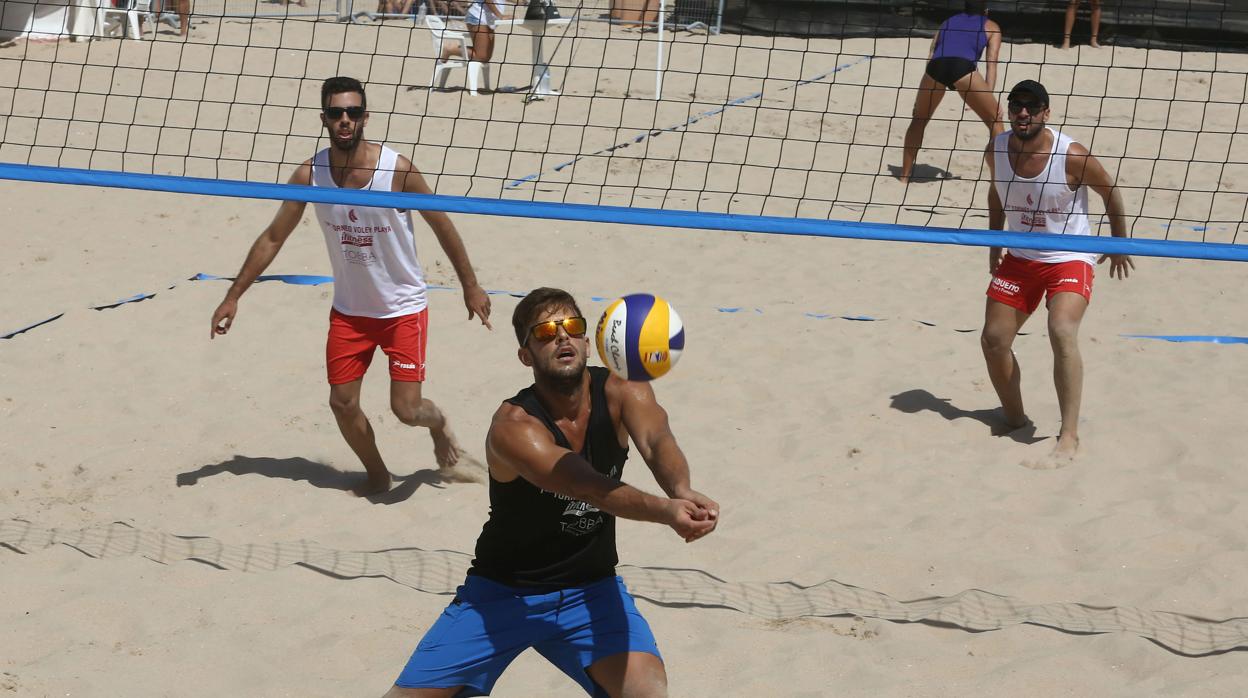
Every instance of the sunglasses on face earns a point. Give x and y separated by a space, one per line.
1032 107
546 331
353 113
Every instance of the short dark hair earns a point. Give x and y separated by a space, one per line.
538 301
339 85
975 7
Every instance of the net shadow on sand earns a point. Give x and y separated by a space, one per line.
441 571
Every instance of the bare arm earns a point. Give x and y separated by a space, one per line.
647 424
993 53
996 211
1083 168
262 253
518 443
475 297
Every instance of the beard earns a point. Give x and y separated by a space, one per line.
349 145
563 379
1025 133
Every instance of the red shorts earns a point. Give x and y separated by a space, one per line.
352 339
1021 283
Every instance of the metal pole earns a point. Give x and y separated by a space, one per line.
658 70
719 19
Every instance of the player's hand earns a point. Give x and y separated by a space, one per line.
706 503
478 304
1120 265
994 260
223 317
689 520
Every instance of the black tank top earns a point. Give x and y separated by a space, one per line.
538 538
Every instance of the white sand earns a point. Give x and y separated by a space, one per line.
853 451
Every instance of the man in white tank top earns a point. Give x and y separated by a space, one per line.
379 287
1040 185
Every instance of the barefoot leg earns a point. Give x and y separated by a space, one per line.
414 410
344 400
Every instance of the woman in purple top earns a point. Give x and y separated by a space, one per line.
956 50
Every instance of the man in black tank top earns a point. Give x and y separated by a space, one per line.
544 573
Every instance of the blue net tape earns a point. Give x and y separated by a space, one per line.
629 216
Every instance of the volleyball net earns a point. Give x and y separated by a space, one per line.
624 111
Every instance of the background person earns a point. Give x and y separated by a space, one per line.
952 65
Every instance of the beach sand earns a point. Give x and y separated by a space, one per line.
856 451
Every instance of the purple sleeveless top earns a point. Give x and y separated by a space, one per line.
962 36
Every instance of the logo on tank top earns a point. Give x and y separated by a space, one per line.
355 219
580 518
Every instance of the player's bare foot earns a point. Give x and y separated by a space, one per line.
1094 43
446 450
1066 43
1067 446
1009 425
1062 455
379 484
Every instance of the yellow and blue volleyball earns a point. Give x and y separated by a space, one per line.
640 337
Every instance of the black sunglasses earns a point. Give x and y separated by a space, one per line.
1016 106
353 113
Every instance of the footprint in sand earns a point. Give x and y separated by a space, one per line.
1049 462
466 469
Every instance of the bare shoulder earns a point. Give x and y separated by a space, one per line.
1078 150
511 423
302 173
991 27
404 164
1077 159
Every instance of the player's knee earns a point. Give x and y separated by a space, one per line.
1064 336
344 404
995 341
651 685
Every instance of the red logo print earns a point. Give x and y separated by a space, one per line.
351 213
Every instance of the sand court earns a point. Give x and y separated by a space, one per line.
848 450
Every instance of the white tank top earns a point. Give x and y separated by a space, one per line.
1044 203
372 250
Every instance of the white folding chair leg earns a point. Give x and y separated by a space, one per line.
440 71
132 24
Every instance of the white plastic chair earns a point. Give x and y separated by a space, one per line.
478 74
129 23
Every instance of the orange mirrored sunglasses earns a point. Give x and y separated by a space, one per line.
546 331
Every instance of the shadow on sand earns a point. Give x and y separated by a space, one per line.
919 400
313 473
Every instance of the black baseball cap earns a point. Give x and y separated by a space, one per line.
1030 87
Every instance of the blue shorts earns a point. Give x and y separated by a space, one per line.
489 624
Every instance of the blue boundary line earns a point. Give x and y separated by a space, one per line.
316 280
674 127
629 216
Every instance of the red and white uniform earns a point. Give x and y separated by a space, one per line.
379 287
1041 204
372 250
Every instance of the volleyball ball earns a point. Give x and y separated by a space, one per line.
640 337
